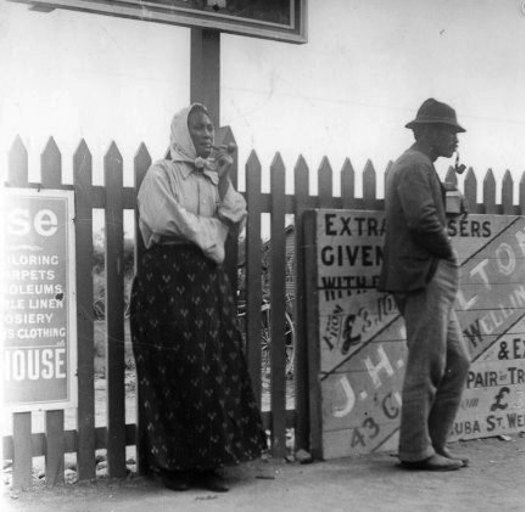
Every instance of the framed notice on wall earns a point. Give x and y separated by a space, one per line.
282 20
357 337
38 300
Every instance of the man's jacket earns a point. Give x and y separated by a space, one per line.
416 236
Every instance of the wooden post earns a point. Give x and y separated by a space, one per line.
253 272
205 71
302 426
278 307
142 163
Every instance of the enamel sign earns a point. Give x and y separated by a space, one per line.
38 300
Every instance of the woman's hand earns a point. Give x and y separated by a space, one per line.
224 159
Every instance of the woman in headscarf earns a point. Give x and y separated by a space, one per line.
196 405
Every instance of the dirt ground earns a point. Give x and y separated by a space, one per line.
493 482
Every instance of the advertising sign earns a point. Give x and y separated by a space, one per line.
358 354
38 300
283 20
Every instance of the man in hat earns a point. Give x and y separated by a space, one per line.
420 269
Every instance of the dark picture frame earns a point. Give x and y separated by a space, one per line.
281 20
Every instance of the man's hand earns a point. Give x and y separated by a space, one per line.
455 257
464 206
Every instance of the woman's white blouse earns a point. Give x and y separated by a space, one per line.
178 201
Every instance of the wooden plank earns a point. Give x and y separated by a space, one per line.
51 177
141 164
290 419
313 202
302 430
82 179
253 285
521 198
17 174
369 186
489 193
55 446
324 182
451 176
470 187
507 194
386 177
38 441
22 456
51 165
205 71
312 329
225 136
114 238
347 185
278 307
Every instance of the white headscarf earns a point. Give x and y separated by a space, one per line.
182 148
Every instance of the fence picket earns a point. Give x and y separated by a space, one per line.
114 238
470 188
82 182
489 193
141 164
278 306
369 186
348 184
311 335
302 431
253 272
324 182
386 176
22 451
51 165
451 176
521 198
225 137
507 194
51 178
55 447
17 176
17 171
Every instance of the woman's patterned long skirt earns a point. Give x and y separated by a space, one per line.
196 405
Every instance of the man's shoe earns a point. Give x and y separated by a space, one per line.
465 461
435 463
213 481
175 480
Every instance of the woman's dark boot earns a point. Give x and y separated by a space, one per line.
212 481
175 480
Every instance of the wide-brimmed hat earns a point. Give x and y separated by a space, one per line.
435 112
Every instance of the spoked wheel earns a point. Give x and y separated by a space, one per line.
289 342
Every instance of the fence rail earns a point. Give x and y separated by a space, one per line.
114 198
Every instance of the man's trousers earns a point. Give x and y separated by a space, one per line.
437 364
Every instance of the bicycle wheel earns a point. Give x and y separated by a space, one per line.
289 342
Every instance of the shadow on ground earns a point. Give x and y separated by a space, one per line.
494 481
